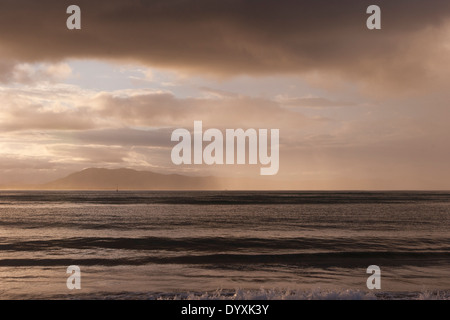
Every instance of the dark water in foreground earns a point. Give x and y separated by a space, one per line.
238 245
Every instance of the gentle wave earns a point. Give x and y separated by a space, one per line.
223 197
227 244
337 259
184 250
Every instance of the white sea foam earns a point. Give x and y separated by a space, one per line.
434 295
277 294
271 294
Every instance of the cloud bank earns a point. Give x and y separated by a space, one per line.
225 38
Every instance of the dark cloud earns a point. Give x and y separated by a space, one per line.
402 140
104 112
6 71
166 110
233 36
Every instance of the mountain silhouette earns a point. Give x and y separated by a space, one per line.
129 179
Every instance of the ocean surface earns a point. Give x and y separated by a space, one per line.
224 245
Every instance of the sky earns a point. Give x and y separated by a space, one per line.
356 108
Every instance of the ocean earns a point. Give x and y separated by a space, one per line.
224 245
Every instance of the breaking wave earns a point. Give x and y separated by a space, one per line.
271 294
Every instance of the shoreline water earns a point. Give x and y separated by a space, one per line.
185 245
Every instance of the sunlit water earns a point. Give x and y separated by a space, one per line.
274 245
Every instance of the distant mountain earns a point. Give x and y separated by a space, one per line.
128 179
